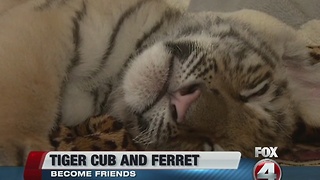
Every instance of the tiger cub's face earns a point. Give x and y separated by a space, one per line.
227 91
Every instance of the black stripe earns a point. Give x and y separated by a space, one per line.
45 5
253 69
214 65
280 91
239 68
142 124
241 53
114 36
191 60
54 143
268 110
48 3
258 50
95 94
226 62
105 100
206 71
200 62
189 30
259 80
153 30
259 47
159 129
139 48
76 36
59 113
262 91
76 58
163 90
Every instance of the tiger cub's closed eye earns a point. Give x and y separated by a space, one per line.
258 90
189 89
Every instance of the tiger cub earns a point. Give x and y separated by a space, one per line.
179 81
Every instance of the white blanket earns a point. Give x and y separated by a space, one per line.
292 12
304 15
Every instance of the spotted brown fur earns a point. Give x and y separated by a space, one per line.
101 133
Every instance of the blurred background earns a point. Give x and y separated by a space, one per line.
292 12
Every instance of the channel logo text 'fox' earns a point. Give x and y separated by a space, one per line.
266 152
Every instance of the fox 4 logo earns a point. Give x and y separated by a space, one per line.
267 152
267 169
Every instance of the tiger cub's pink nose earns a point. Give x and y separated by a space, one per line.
181 100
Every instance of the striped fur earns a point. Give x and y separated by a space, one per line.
78 58
243 68
83 46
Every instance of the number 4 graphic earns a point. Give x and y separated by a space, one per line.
267 169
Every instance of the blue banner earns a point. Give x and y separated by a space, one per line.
8 173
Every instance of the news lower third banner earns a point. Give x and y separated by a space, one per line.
120 165
152 165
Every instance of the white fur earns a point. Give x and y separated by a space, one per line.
138 96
